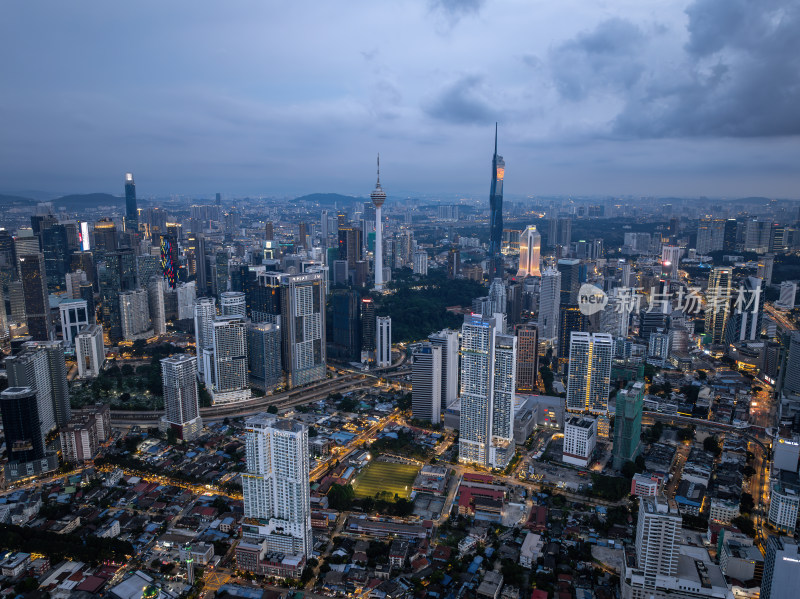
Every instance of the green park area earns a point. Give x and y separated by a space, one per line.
385 480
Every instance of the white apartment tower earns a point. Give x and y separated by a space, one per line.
230 360
205 311
420 263
233 303
89 351
488 376
580 438
155 298
447 339
303 326
74 316
657 536
589 378
181 407
549 304
134 313
275 486
383 341
530 244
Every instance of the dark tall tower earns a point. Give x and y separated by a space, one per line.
37 306
24 438
496 207
131 209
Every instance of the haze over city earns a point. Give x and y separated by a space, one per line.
614 98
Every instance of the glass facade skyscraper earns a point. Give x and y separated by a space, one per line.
496 207
131 209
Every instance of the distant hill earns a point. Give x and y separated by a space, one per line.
9 201
329 198
87 200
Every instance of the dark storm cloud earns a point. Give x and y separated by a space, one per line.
607 57
462 102
741 76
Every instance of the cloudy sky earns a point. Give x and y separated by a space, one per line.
616 97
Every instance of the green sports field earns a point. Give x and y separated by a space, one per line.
384 476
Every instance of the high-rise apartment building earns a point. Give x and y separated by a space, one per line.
89 351
134 311
549 303
233 303
383 341
496 269
264 355
156 306
718 299
784 501
589 378
205 311
181 405
275 486
580 439
657 536
420 264
488 376
527 357
447 339
74 316
231 383
42 367
426 383
303 326
530 245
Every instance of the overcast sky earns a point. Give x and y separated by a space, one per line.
616 97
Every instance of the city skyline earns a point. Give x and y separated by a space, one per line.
675 99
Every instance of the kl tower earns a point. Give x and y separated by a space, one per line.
378 197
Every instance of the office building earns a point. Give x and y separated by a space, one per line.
25 440
303 328
205 311
571 320
670 260
37 305
447 340
497 298
131 209
275 486
488 376
73 281
233 303
549 304
426 383
230 364
570 270
116 274
90 352
181 405
784 501
350 245
765 265
346 343
378 197
496 269
186 294
530 245
368 322
781 577
527 357
787 295
134 310
264 356
580 438
589 377
383 341
74 316
718 297
629 404
156 306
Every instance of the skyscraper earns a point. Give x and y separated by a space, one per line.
367 324
181 407
570 280
718 296
426 383
530 244
134 310
628 423
589 377
497 297
131 209
781 568
527 357
89 351
303 326
275 487
25 441
346 325
549 302
447 339
231 382
657 536
233 303
488 375
383 341
570 320
264 355
42 366
37 306
205 311
744 320
378 197
496 217
155 300
169 259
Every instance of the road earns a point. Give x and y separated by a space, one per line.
779 317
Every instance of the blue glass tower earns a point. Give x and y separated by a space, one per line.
496 207
131 212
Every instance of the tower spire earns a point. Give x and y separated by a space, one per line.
495 139
379 169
